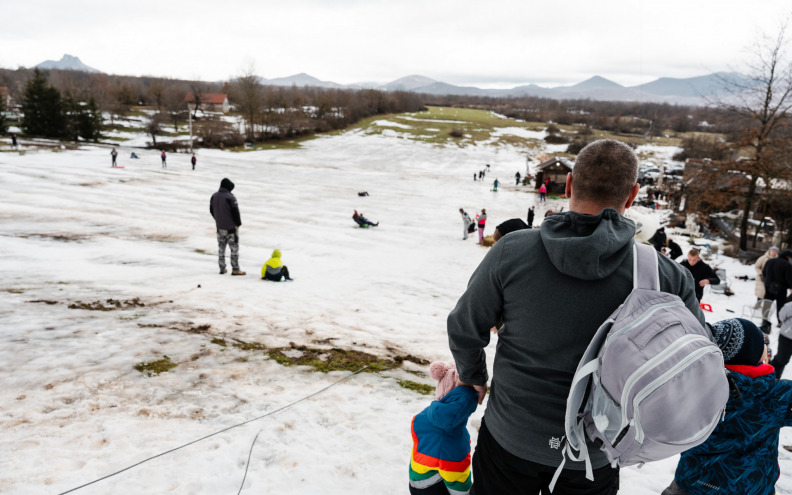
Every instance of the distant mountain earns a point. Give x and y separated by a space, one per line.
68 62
409 83
690 91
301 79
591 84
441 88
694 87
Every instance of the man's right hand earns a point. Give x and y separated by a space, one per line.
481 389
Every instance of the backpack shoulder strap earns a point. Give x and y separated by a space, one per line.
646 269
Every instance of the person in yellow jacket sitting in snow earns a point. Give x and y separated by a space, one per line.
273 269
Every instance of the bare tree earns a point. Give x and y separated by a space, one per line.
761 101
249 100
156 93
153 127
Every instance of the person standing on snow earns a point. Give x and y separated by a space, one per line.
466 221
440 458
482 221
193 160
542 193
759 266
659 239
517 177
531 215
225 210
528 280
113 156
163 156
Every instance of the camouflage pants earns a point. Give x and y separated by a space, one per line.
231 238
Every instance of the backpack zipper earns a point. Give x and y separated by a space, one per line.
663 379
643 370
648 313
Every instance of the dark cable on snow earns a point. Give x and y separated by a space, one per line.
248 462
215 433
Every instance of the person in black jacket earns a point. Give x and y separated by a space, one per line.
703 274
225 210
531 215
777 275
659 239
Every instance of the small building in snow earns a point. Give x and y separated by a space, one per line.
553 173
212 102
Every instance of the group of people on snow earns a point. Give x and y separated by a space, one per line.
524 286
163 157
224 208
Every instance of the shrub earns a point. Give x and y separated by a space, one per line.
575 147
555 139
457 133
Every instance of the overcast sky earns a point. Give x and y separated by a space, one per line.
495 43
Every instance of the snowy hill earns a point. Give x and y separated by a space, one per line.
67 62
104 269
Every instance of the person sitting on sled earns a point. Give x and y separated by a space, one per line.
274 269
363 221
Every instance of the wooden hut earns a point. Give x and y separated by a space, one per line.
555 171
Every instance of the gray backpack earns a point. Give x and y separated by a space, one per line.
651 383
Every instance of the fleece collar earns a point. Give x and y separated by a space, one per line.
751 371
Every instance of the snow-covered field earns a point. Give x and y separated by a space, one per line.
74 231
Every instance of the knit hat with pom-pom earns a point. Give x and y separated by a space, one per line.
446 376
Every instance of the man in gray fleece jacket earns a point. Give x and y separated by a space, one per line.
552 288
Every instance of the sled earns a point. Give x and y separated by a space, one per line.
705 307
119 166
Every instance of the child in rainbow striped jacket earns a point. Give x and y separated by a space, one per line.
440 459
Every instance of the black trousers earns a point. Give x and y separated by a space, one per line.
780 300
781 358
498 472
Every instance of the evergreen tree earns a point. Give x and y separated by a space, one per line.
90 121
41 108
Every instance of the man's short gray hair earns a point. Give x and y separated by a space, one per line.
773 249
605 172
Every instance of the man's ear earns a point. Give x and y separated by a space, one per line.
631 197
568 188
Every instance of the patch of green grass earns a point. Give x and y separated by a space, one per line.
323 360
123 128
13 291
417 387
284 144
250 346
436 125
220 342
153 368
201 251
334 359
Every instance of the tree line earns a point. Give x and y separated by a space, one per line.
69 104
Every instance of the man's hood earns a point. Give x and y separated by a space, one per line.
588 247
276 253
227 185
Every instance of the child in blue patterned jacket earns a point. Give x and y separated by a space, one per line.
741 455
440 459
